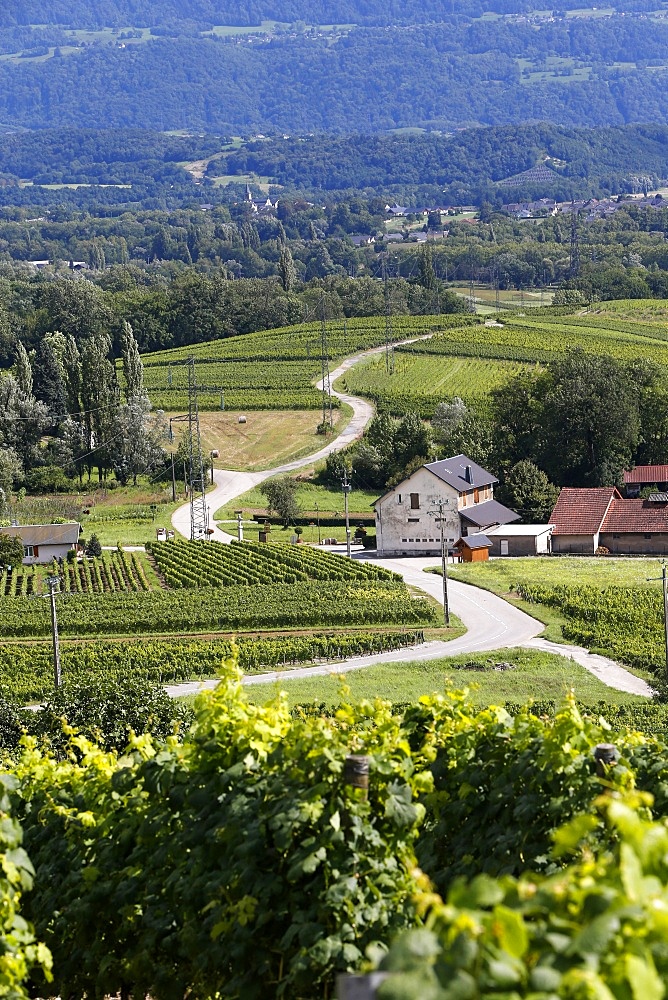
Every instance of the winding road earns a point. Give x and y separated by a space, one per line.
491 623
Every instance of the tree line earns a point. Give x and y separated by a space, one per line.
63 414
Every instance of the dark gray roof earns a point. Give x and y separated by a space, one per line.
45 534
477 541
488 513
453 471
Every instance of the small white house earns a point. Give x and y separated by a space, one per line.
408 517
44 542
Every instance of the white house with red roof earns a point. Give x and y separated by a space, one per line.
408 521
585 519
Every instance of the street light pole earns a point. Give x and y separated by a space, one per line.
53 582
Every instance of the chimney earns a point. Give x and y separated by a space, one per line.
468 475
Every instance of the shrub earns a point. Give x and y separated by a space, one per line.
93 548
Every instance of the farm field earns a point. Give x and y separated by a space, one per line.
644 310
610 606
536 675
509 298
26 669
420 381
210 564
268 438
169 614
110 573
470 360
274 369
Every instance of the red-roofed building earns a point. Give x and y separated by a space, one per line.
585 519
577 518
644 476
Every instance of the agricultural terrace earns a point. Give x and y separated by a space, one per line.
613 606
199 594
275 369
112 572
428 370
420 383
210 564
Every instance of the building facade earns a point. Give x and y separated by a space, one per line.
588 519
456 490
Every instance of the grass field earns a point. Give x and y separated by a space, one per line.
268 438
308 495
501 575
535 675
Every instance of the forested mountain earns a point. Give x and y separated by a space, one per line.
115 13
584 161
107 171
163 66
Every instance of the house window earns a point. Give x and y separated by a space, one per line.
476 496
415 501
28 552
413 520
399 498
614 535
647 536
404 539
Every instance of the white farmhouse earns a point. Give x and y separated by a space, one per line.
407 517
44 542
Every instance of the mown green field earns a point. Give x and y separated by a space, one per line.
536 675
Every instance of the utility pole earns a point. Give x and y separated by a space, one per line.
440 503
346 490
53 583
664 580
326 380
199 515
173 479
389 354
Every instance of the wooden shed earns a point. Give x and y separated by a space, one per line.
473 548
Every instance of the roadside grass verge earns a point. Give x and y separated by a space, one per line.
534 675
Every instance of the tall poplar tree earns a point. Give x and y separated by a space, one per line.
23 371
286 269
133 369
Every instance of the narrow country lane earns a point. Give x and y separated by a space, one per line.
230 485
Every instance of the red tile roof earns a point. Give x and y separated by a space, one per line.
581 511
647 474
641 516
586 511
